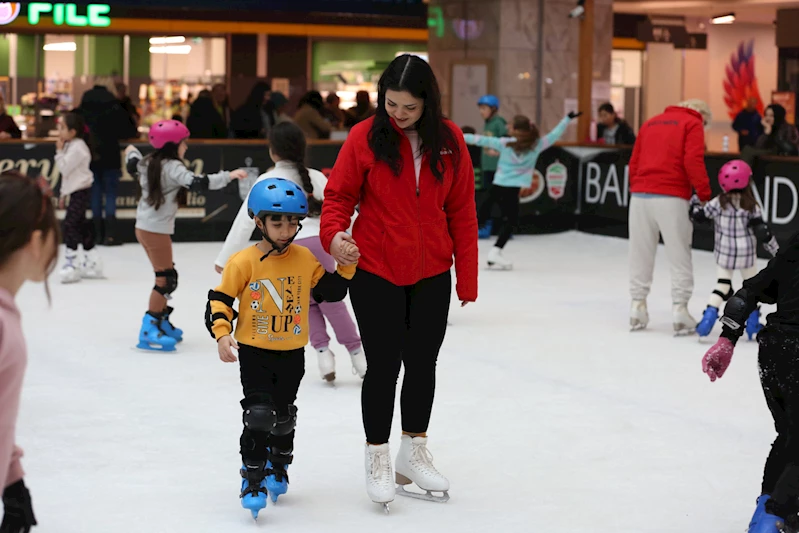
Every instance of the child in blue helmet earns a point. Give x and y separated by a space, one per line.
274 281
495 126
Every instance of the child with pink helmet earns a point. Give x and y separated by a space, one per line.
739 226
163 176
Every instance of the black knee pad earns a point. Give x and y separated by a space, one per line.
171 276
285 424
728 295
259 415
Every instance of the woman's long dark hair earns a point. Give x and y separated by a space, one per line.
155 194
526 134
313 99
746 198
287 141
412 74
779 118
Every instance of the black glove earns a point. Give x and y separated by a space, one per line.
18 516
574 115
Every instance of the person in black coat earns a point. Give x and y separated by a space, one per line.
204 121
109 123
611 129
248 121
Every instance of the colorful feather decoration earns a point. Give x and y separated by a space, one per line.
741 82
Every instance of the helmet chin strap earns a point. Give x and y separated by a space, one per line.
276 247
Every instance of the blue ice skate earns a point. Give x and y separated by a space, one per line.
708 320
152 337
277 482
767 523
760 510
168 328
485 231
753 325
253 487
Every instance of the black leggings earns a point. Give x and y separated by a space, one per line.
508 200
78 230
779 375
399 325
269 376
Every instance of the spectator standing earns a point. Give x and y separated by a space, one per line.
8 128
309 117
611 129
778 136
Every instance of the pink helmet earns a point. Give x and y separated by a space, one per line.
734 175
167 131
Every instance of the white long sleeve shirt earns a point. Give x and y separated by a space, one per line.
243 226
73 163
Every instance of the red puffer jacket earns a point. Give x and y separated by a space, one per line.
669 156
404 234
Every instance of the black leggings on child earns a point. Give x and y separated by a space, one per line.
508 200
78 230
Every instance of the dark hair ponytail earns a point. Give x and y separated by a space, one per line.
287 141
526 134
155 193
75 121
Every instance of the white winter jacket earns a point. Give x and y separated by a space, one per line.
243 226
73 162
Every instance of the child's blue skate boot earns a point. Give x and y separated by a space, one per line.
485 231
168 328
753 325
760 510
277 482
708 320
253 487
768 523
152 337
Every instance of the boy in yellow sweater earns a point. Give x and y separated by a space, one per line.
273 281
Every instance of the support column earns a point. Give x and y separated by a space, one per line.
585 76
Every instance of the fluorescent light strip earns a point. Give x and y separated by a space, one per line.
723 19
167 40
177 50
60 47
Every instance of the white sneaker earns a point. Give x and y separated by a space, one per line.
496 260
327 364
91 266
358 362
379 479
639 317
415 465
70 271
684 323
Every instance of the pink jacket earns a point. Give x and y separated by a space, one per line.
13 359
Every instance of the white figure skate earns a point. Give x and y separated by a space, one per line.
358 362
684 323
379 482
91 266
70 271
497 261
415 465
327 364
639 317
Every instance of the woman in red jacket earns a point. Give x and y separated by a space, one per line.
410 171
668 162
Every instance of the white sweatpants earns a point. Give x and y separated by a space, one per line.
666 216
723 276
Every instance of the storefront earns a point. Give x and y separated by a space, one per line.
51 53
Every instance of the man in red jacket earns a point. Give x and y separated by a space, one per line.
668 162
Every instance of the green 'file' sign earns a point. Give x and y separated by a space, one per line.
67 14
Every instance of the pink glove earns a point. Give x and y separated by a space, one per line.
717 358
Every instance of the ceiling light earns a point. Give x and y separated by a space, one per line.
723 19
60 47
179 50
167 40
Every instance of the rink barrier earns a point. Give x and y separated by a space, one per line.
574 187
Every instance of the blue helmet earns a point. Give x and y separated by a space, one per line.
490 100
277 196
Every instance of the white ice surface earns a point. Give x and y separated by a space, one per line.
550 415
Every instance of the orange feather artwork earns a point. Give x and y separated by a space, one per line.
740 83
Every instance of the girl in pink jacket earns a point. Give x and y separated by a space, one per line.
29 236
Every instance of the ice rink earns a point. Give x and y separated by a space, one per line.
550 415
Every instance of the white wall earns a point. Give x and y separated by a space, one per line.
205 56
663 75
59 65
633 73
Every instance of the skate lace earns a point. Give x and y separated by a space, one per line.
422 457
381 468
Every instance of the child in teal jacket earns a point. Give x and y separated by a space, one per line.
517 158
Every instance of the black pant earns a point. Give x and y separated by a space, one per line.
78 230
779 376
399 325
508 200
268 376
